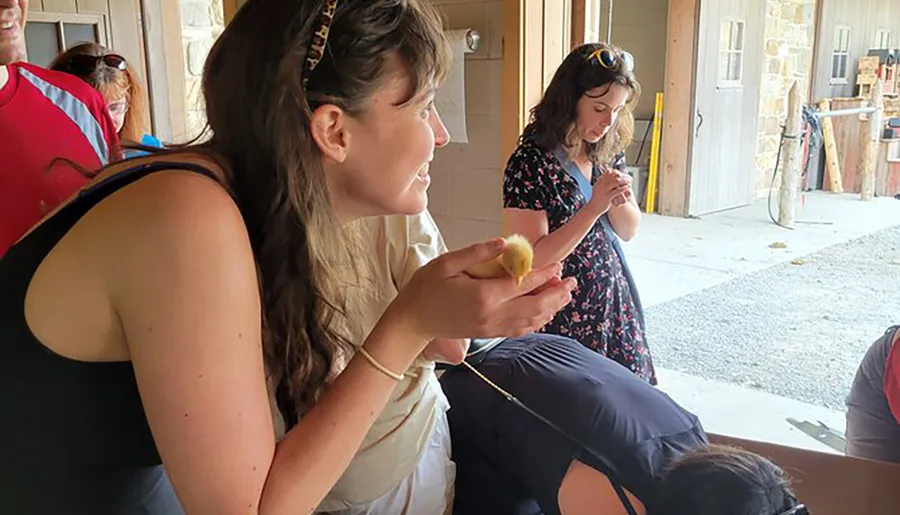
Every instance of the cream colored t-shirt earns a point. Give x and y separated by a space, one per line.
393 446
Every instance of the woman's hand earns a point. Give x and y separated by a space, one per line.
447 350
610 189
442 301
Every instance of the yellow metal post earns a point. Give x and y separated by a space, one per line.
653 173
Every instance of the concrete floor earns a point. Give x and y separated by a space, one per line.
672 257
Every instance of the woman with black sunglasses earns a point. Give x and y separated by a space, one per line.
567 190
114 78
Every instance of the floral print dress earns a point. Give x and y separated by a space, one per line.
605 313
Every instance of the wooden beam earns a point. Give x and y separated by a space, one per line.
535 38
790 171
678 113
533 54
555 45
229 8
165 68
870 139
579 11
832 160
512 103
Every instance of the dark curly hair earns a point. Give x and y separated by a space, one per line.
553 118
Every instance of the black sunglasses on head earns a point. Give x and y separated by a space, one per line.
611 60
88 63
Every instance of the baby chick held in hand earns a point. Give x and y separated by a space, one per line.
516 261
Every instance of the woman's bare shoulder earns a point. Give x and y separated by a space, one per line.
170 215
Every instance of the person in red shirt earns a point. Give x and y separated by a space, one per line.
873 406
48 120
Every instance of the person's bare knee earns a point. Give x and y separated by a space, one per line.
587 491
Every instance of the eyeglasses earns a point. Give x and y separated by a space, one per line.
612 61
88 63
799 509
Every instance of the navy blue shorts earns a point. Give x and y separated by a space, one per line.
509 462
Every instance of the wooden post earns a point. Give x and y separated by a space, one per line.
790 170
870 135
832 163
881 169
678 112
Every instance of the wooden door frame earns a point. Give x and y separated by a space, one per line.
164 54
229 8
679 107
535 40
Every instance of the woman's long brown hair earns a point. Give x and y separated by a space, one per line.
259 113
553 118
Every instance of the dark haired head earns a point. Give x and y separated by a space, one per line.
593 66
717 480
275 64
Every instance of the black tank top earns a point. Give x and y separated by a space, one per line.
74 438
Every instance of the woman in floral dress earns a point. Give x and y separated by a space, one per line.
566 189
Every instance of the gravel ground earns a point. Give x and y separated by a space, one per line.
798 330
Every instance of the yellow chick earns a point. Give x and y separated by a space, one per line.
516 261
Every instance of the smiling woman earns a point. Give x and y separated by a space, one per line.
144 321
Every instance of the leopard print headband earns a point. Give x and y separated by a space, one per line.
320 39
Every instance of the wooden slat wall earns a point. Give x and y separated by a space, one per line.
864 18
512 82
847 138
96 6
579 11
60 6
162 26
555 38
536 36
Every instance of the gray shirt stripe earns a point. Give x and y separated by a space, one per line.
75 109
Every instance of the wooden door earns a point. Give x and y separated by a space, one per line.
54 25
728 80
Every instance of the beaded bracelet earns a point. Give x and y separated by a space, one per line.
383 369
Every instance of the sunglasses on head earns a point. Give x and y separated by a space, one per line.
88 63
610 60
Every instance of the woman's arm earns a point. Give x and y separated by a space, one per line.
527 194
549 247
183 285
186 292
413 241
626 216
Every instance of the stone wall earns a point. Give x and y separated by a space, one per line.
201 23
789 38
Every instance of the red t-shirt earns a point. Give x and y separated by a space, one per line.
45 115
